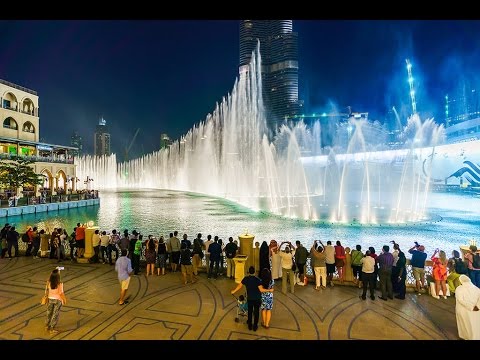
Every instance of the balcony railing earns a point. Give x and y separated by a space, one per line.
18 87
48 159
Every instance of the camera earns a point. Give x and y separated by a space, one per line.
60 268
416 244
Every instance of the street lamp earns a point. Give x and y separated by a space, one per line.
87 182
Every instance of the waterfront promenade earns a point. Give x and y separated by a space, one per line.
162 308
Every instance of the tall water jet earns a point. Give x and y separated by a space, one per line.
228 155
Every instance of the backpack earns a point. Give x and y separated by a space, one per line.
476 260
460 266
25 238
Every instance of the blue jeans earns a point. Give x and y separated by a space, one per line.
474 275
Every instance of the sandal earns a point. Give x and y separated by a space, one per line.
124 302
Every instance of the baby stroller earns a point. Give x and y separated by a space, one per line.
242 307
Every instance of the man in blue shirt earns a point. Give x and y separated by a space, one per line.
123 266
418 265
254 297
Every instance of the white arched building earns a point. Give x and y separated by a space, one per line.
20 134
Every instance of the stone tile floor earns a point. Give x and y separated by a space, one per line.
163 308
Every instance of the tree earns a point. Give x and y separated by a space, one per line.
17 172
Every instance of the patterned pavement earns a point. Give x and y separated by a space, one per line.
162 308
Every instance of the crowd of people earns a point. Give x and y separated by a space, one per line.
385 272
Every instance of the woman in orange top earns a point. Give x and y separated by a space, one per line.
439 272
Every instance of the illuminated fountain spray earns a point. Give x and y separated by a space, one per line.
228 155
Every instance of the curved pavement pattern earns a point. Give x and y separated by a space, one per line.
162 308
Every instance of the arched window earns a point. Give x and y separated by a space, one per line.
28 127
10 123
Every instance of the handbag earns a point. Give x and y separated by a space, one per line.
294 264
44 300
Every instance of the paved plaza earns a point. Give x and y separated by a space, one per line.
163 308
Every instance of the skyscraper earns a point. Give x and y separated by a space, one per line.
76 141
279 52
101 140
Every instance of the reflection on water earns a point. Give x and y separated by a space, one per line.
160 212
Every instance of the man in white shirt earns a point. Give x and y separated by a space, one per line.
206 244
368 275
286 261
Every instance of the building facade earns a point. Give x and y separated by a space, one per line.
19 137
462 105
165 141
279 53
101 140
77 141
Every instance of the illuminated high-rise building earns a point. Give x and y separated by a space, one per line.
279 53
76 141
101 140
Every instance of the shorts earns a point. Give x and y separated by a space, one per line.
330 268
339 262
80 244
124 283
187 269
175 257
418 273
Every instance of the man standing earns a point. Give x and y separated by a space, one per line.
467 299
123 266
3 238
385 262
215 252
329 261
80 239
206 244
254 297
368 275
286 260
301 255
12 241
230 252
175 251
418 265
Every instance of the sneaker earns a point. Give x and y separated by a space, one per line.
444 297
436 296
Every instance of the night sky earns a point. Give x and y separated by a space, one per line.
166 75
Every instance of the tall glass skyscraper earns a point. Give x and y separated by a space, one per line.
279 52
101 140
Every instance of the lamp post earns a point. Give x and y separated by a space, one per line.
87 182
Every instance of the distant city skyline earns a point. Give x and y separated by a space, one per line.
164 76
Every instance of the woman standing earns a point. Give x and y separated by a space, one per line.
402 276
340 260
150 255
267 297
161 256
56 298
275 260
439 273
264 256
197 253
